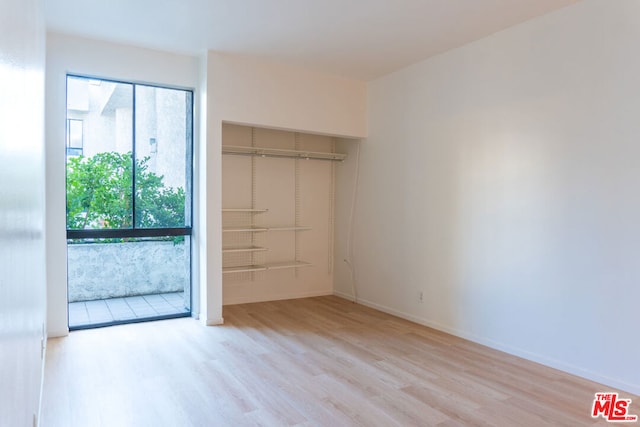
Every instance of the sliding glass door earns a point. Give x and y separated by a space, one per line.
129 201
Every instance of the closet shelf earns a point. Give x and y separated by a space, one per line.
289 264
244 249
247 228
252 229
243 269
293 228
266 267
278 152
245 210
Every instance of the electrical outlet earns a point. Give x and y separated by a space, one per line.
421 296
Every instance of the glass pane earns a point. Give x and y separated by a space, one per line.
99 177
163 157
75 135
116 280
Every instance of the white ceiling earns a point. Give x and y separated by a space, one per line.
362 39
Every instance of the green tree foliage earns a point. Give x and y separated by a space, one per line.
99 194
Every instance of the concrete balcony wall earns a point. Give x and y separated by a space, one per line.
112 270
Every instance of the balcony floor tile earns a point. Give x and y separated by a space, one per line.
86 313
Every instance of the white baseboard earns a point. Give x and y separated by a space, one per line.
58 334
276 297
345 296
214 322
543 360
38 415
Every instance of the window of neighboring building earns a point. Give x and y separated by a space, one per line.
75 137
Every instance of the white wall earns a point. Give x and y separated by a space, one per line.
66 54
273 95
248 91
501 179
22 232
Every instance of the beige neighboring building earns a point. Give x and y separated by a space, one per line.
100 117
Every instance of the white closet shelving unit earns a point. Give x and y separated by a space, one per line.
246 210
241 256
279 152
250 228
239 249
253 229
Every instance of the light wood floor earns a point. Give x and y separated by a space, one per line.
318 361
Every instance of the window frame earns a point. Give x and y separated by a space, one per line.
134 231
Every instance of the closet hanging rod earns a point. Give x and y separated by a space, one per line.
278 152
